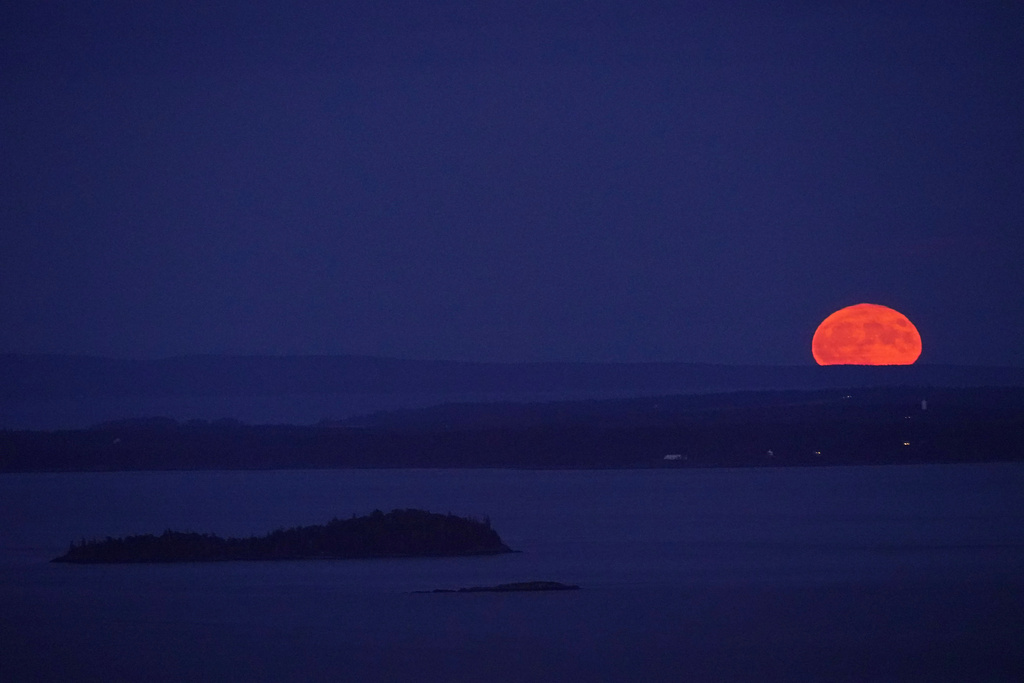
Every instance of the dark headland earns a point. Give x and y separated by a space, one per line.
399 533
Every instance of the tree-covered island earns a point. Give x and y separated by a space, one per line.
399 533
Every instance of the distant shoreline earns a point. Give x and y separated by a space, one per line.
67 392
623 468
900 425
42 376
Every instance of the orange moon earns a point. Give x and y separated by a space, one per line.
866 334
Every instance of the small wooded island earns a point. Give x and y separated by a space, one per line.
399 533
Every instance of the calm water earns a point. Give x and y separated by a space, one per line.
898 573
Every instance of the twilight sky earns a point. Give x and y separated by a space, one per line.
509 181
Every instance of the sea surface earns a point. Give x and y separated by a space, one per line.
911 573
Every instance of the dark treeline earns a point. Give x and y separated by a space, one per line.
868 426
399 533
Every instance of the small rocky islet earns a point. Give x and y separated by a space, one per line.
517 587
399 533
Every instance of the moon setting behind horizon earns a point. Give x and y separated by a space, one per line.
866 334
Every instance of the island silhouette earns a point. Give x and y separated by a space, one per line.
516 587
399 533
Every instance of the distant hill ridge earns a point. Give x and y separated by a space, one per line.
55 376
746 429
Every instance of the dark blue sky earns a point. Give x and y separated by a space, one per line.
509 181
